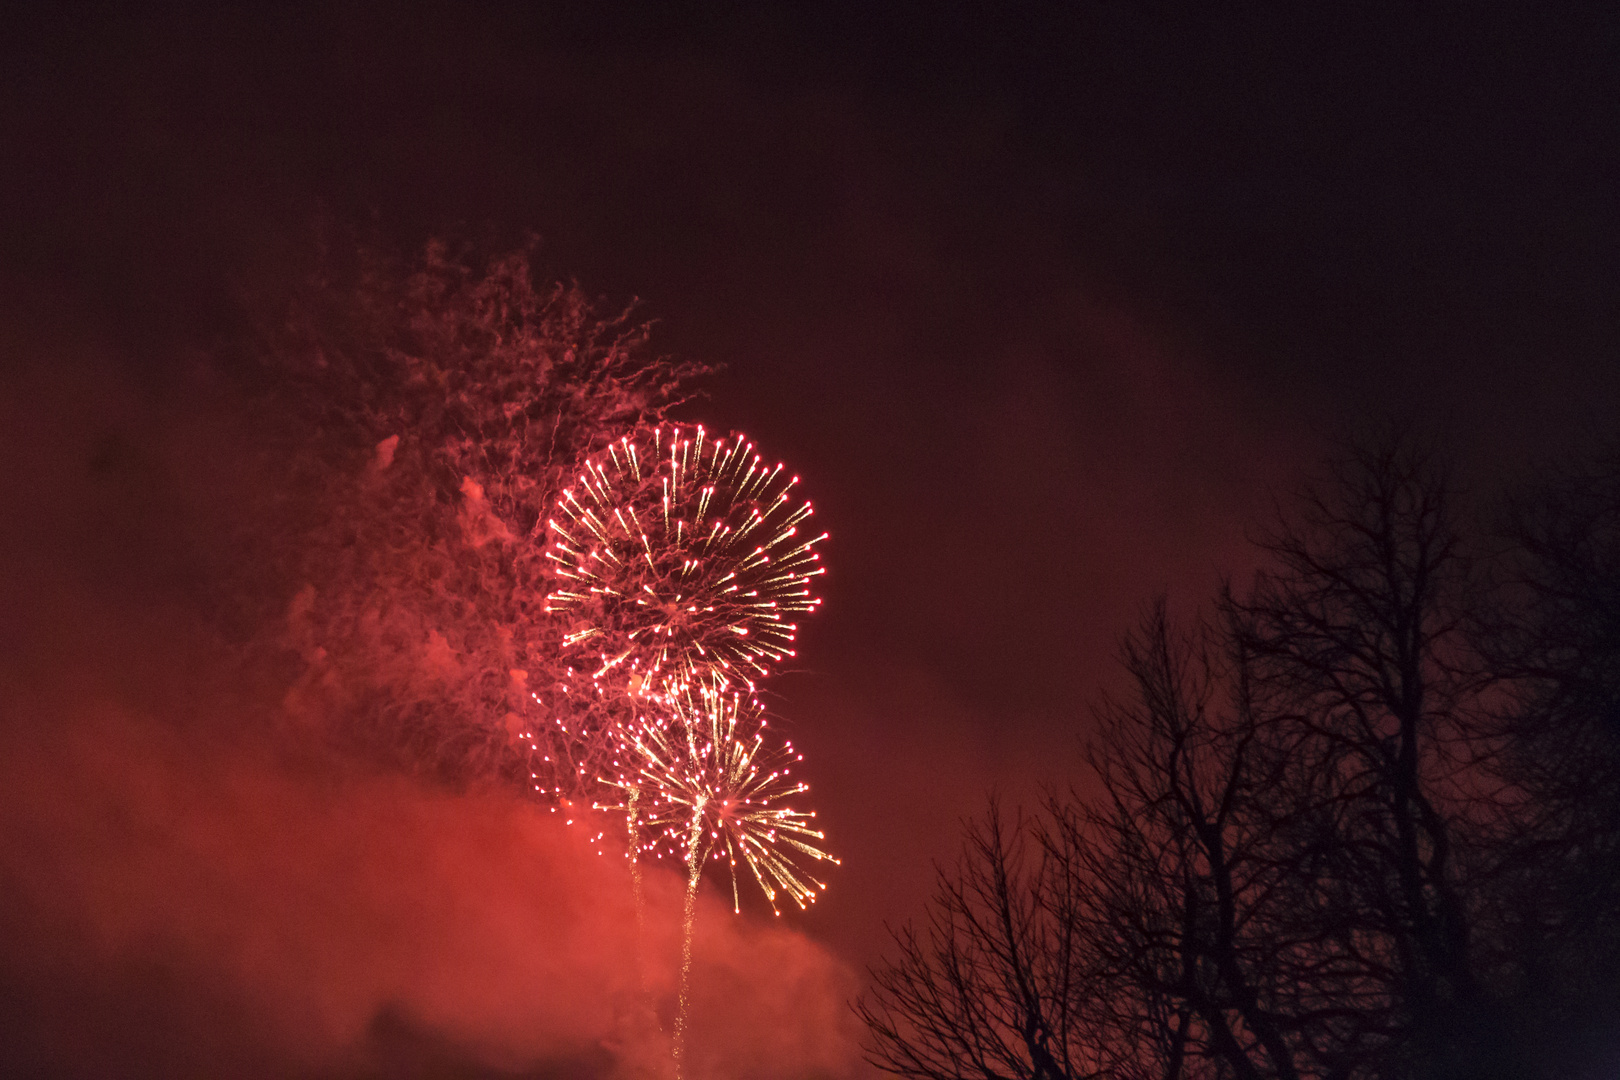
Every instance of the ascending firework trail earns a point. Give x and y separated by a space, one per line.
678 561
714 788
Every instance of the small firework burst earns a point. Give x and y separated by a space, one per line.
712 787
678 559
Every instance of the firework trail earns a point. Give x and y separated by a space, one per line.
694 870
677 562
714 789
678 559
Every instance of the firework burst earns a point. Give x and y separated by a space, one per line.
712 788
679 560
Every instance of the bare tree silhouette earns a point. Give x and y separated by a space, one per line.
1333 834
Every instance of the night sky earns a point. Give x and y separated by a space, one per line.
1045 305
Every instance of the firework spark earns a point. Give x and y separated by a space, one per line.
680 561
572 734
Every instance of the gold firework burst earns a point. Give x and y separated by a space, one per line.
713 787
679 560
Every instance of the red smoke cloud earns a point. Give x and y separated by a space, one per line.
192 887
316 909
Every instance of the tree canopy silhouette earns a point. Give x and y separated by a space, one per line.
1357 822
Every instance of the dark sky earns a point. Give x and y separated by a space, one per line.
1043 301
